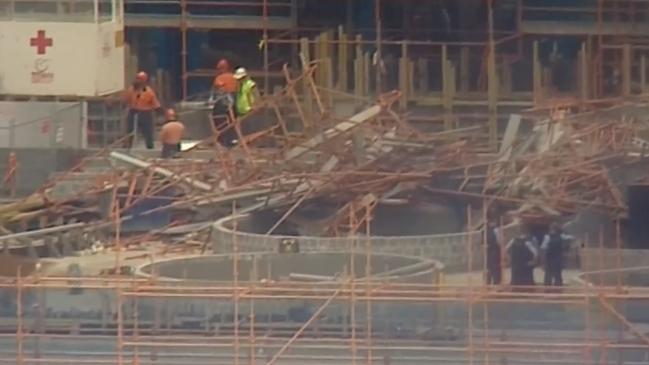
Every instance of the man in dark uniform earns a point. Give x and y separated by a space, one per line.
494 269
524 255
553 247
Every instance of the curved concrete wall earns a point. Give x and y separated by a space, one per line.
450 249
316 267
313 266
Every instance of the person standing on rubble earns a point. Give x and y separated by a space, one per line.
553 246
523 257
247 92
224 82
142 102
493 252
171 134
222 116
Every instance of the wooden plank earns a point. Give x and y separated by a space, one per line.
305 51
317 56
510 133
328 80
343 60
302 188
323 57
358 68
340 128
122 157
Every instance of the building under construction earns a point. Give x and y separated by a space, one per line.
348 223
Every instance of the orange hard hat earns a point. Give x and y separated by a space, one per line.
223 65
170 114
142 76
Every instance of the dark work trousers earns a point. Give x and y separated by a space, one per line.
144 122
553 273
222 123
522 270
522 273
170 150
494 270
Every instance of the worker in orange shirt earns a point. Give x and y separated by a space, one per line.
222 114
224 80
142 102
224 89
171 134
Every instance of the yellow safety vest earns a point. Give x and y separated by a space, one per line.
245 97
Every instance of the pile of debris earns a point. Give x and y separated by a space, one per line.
306 153
565 165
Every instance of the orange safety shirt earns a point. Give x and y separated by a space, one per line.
141 99
227 80
172 132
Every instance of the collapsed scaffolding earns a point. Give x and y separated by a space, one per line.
562 166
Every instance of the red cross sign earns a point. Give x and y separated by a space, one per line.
41 42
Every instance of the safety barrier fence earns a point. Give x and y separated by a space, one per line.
91 321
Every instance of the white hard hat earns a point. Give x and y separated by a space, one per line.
240 73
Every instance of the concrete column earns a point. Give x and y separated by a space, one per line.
537 76
643 73
627 64
584 82
465 69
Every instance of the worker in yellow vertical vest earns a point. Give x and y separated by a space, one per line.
247 92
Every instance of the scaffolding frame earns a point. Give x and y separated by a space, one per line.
347 290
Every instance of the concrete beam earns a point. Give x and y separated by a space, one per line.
122 157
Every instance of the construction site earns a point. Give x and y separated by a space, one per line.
349 223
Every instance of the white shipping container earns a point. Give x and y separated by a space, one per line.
61 50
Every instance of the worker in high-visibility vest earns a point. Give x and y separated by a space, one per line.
247 92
